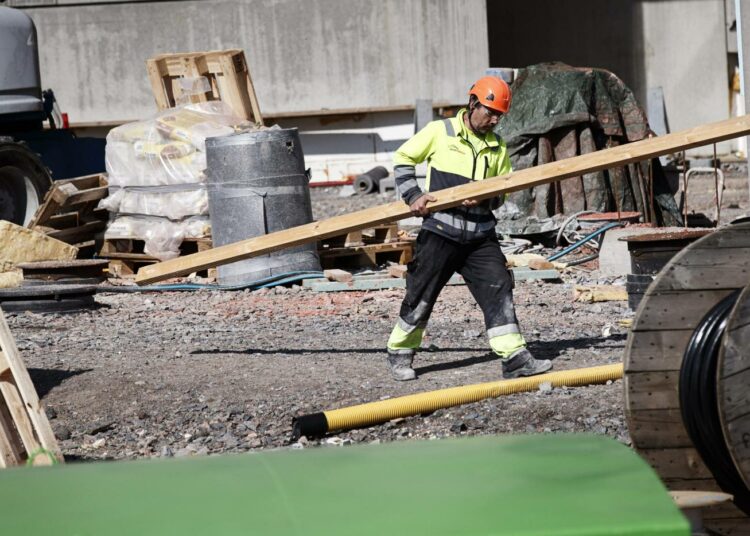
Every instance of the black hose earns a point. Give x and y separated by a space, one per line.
699 405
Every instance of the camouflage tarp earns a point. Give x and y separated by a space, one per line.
559 111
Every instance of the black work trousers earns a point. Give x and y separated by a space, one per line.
482 265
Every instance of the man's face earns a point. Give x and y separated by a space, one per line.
484 119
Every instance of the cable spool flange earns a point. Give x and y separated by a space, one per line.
688 287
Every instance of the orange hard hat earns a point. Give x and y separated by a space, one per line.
493 93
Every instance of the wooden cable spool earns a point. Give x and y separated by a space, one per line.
688 288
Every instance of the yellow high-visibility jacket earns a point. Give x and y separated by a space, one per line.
455 156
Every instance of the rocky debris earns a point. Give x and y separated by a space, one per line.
198 373
190 374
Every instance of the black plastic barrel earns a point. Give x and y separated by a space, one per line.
257 185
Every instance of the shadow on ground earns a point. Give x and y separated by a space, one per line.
45 380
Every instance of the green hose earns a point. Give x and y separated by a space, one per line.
319 424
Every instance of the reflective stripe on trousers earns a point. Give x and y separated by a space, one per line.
482 265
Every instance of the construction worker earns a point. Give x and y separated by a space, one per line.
462 239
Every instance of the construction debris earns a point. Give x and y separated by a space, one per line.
533 261
450 197
19 244
341 276
70 212
600 293
11 278
397 270
541 264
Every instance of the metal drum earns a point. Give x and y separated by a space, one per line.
257 185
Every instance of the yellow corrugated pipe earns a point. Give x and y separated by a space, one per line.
317 424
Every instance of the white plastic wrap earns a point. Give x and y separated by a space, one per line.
128 164
165 202
162 237
156 175
170 148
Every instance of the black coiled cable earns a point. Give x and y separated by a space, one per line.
699 405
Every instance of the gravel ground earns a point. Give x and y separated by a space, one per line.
180 374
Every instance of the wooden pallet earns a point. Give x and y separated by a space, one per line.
126 255
68 212
366 256
380 234
226 71
25 434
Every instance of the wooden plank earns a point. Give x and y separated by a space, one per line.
652 390
78 234
657 428
448 198
62 221
12 398
692 484
85 182
156 77
725 511
656 350
676 309
47 209
232 90
726 267
739 526
678 463
11 450
26 389
85 196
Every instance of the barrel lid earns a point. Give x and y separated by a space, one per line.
254 136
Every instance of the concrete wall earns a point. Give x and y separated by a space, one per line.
685 52
679 45
303 55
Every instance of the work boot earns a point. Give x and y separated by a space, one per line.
400 365
522 363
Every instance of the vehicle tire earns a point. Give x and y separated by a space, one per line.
24 180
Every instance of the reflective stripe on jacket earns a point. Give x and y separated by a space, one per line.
455 156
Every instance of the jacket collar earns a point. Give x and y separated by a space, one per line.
490 138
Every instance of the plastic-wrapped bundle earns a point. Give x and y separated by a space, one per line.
161 236
165 201
157 175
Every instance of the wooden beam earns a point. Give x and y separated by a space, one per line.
450 197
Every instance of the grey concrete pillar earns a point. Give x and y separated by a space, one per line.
742 13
